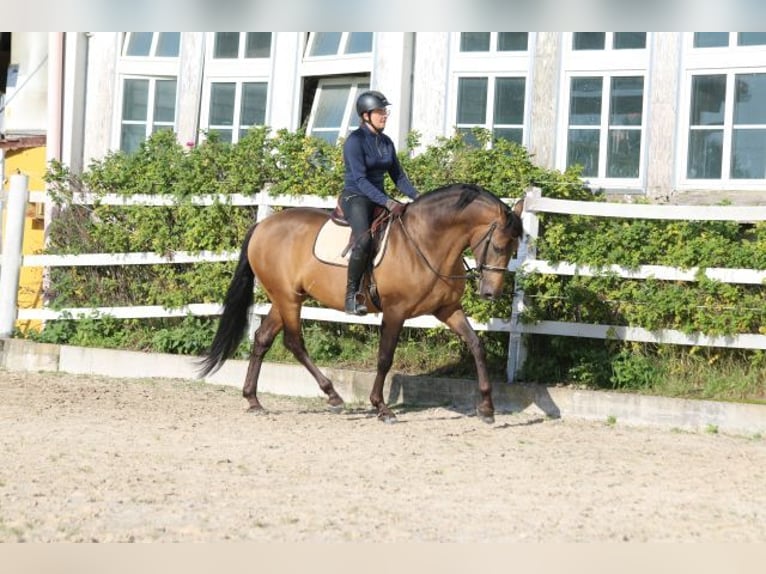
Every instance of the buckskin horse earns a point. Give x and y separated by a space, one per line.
423 272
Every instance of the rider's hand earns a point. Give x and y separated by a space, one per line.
396 208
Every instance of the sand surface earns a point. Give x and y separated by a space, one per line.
99 459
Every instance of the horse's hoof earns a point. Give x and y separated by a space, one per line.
335 409
256 411
486 418
389 419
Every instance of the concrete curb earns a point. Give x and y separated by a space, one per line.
354 386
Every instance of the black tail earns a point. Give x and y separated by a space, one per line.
233 321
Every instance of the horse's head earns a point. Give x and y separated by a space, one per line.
495 246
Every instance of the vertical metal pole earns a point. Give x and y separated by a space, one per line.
517 350
13 237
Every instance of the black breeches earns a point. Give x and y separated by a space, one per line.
358 212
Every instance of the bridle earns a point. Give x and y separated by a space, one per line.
471 273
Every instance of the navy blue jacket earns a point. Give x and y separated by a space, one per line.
368 157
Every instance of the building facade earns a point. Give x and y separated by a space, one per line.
671 116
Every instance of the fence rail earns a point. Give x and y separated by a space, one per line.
526 262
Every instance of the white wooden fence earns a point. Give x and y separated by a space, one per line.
525 261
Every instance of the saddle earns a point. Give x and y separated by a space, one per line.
333 244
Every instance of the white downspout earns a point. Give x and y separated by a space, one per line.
55 123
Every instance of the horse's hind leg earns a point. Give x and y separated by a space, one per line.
293 339
270 327
456 320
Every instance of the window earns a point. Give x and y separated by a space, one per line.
494 41
236 83
338 43
333 114
148 73
233 45
152 44
494 103
726 39
488 87
605 125
727 127
723 137
235 107
609 40
603 105
148 105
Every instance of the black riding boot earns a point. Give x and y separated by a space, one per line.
356 267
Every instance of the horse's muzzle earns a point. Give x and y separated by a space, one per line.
487 294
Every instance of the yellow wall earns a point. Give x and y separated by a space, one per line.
31 162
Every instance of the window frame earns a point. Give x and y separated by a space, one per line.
493 50
489 121
125 42
720 60
152 68
732 44
241 48
335 64
604 129
150 123
491 64
240 71
358 84
343 44
606 63
236 126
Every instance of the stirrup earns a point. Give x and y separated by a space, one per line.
355 308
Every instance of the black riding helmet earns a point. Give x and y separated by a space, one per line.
370 100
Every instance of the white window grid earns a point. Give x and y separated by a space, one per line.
488 123
601 180
493 51
152 50
357 85
343 46
150 123
732 45
606 60
236 125
242 47
730 61
490 64
493 61
150 68
609 40
727 130
253 69
606 63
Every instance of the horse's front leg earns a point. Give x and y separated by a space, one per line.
456 320
389 337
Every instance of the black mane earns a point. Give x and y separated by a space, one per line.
468 193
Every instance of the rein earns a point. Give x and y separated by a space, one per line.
470 273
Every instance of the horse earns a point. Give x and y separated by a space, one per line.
422 272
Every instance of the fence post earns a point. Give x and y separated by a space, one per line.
264 210
517 351
13 236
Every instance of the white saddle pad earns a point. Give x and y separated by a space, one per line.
332 239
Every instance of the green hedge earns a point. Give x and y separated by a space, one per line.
292 163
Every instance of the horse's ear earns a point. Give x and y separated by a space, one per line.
518 207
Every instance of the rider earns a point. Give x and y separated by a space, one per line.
368 154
